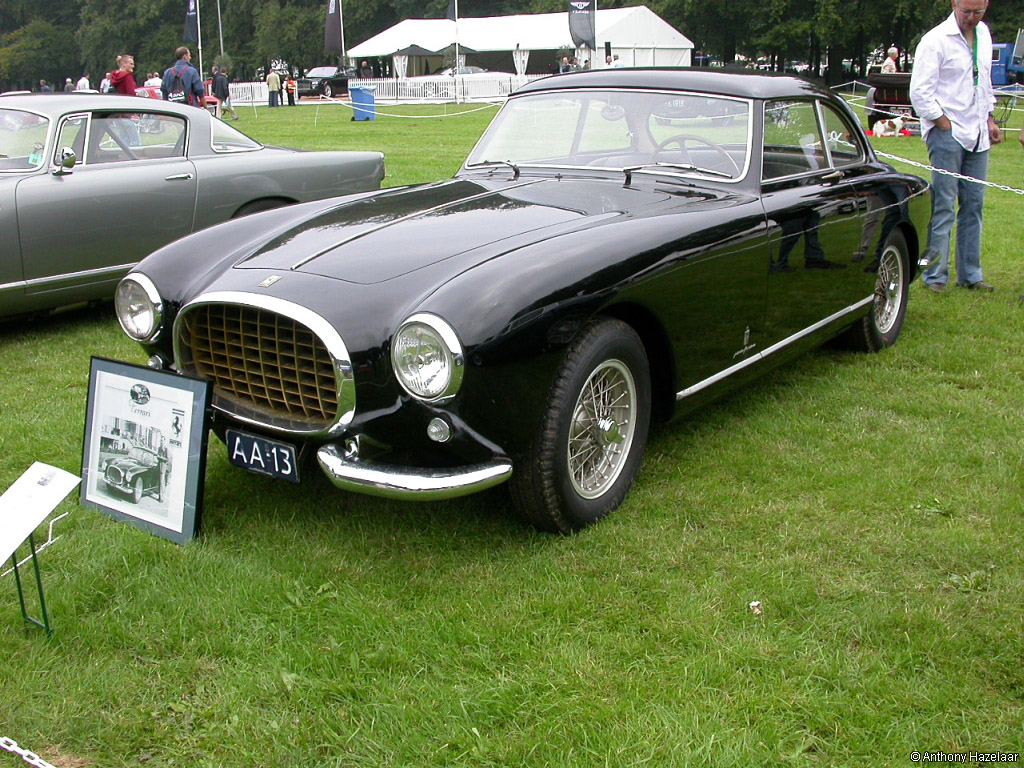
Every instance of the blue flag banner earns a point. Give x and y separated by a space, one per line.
582 23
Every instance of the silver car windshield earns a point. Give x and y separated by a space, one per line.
22 140
684 133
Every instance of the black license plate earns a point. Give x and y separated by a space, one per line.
263 456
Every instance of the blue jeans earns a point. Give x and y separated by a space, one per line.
955 199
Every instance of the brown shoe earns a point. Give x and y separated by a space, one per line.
936 287
981 285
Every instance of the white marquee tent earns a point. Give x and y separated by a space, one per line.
637 35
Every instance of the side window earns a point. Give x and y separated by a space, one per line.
792 139
120 138
842 142
72 134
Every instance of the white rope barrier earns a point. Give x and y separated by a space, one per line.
360 108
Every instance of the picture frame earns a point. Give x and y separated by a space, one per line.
144 447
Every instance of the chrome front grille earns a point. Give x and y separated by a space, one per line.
266 367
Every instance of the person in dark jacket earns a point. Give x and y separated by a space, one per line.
222 91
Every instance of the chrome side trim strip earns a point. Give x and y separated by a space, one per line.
691 390
119 270
409 483
331 338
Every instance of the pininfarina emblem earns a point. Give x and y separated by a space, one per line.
747 346
269 281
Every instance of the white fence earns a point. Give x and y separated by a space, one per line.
415 89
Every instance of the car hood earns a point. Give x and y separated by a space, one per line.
395 232
125 464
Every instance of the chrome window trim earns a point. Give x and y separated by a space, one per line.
343 371
721 375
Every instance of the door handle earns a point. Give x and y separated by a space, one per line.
834 176
179 177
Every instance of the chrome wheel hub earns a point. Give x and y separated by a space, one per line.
601 432
888 289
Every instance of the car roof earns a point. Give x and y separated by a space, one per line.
741 84
62 103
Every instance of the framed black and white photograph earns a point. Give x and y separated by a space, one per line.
144 450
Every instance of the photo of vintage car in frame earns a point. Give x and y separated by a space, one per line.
92 183
620 246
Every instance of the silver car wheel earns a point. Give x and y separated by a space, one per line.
601 431
889 289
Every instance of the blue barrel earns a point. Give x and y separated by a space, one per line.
363 107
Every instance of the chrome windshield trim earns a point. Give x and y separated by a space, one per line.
409 483
342 362
721 375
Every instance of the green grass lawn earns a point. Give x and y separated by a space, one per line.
872 504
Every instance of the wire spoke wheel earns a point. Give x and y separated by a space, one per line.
889 291
589 444
601 431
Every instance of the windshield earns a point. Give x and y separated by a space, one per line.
683 132
22 140
321 72
143 457
227 139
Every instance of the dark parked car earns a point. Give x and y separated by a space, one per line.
613 250
325 81
91 183
888 96
136 474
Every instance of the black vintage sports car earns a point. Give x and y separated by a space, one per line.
136 474
621 245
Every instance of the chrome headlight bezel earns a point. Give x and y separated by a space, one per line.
437 337
137 294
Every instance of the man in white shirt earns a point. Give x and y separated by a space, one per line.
951 90
83 83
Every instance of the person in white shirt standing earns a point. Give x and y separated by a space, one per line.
951 90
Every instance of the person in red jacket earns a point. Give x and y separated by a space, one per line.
123 80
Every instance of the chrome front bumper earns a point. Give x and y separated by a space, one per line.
409 483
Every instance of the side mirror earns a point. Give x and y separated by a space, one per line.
67 161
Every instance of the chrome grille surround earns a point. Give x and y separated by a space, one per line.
273 363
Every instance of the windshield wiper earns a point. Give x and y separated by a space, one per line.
492 163
653 167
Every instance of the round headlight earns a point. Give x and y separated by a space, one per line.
427 358
139 307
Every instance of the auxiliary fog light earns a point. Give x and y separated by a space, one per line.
439 431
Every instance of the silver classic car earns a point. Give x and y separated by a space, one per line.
90 184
